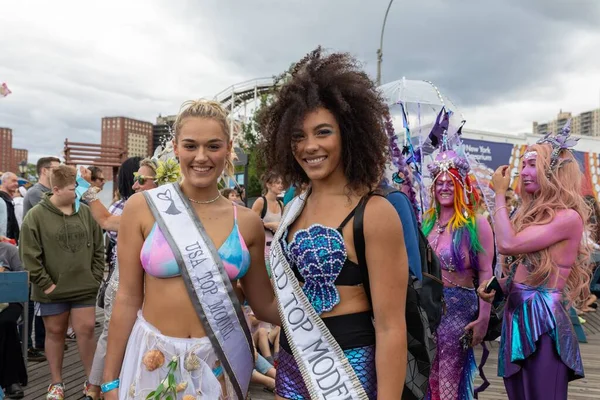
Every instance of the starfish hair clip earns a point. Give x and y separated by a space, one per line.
559 142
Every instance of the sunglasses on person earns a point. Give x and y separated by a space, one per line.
141 179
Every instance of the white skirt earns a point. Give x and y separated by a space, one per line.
147 358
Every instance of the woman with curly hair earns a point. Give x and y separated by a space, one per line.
547 264
464 244
326 128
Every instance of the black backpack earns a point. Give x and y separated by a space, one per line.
431 290
266 205
424 305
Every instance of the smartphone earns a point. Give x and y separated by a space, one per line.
493 284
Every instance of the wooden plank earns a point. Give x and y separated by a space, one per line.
96 163
93 157
102 150
106 146
582 389
74 376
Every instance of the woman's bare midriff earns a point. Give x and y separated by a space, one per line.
353 299
167 306
556 281
464 278
563 254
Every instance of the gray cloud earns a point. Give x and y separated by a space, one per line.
70 66
478 51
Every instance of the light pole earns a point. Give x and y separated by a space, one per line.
380 49
23 168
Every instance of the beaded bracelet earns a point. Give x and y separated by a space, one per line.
107 387
91 194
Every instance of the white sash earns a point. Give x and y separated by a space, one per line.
207 283
323 365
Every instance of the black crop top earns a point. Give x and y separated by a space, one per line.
350 274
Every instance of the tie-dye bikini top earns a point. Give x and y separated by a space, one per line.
158 260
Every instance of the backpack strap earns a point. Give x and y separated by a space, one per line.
386 191
359 243
264 209
266 206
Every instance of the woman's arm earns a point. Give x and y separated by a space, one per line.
388 275
485 258
256 284
533 238
258 206
130 295
103 217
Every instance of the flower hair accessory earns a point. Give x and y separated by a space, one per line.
167 166
559 142
167 172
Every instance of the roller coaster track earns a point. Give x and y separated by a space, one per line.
235 96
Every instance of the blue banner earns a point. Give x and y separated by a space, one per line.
490 154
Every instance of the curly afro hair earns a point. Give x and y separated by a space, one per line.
336 83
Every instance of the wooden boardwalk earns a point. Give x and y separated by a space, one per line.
583 389
74 377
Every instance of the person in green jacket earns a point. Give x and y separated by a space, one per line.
62 248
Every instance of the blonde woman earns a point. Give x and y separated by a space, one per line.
548 264
177 326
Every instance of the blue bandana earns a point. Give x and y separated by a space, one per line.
81 187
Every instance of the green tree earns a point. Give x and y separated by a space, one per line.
31 173
251 137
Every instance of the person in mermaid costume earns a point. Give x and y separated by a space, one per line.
326 129
464 244
547 268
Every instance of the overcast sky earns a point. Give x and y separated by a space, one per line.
69 63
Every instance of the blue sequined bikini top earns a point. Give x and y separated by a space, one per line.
317 256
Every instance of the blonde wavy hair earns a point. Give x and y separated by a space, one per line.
211 110
559 190
150 163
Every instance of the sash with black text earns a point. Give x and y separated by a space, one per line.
323 364
207 283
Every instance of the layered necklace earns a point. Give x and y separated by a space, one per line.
205 201
447 264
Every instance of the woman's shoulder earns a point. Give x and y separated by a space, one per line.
569 218
258 204
135 201
250 225
482 222
381 215
248 217
136 208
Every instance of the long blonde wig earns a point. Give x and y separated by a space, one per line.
560 189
